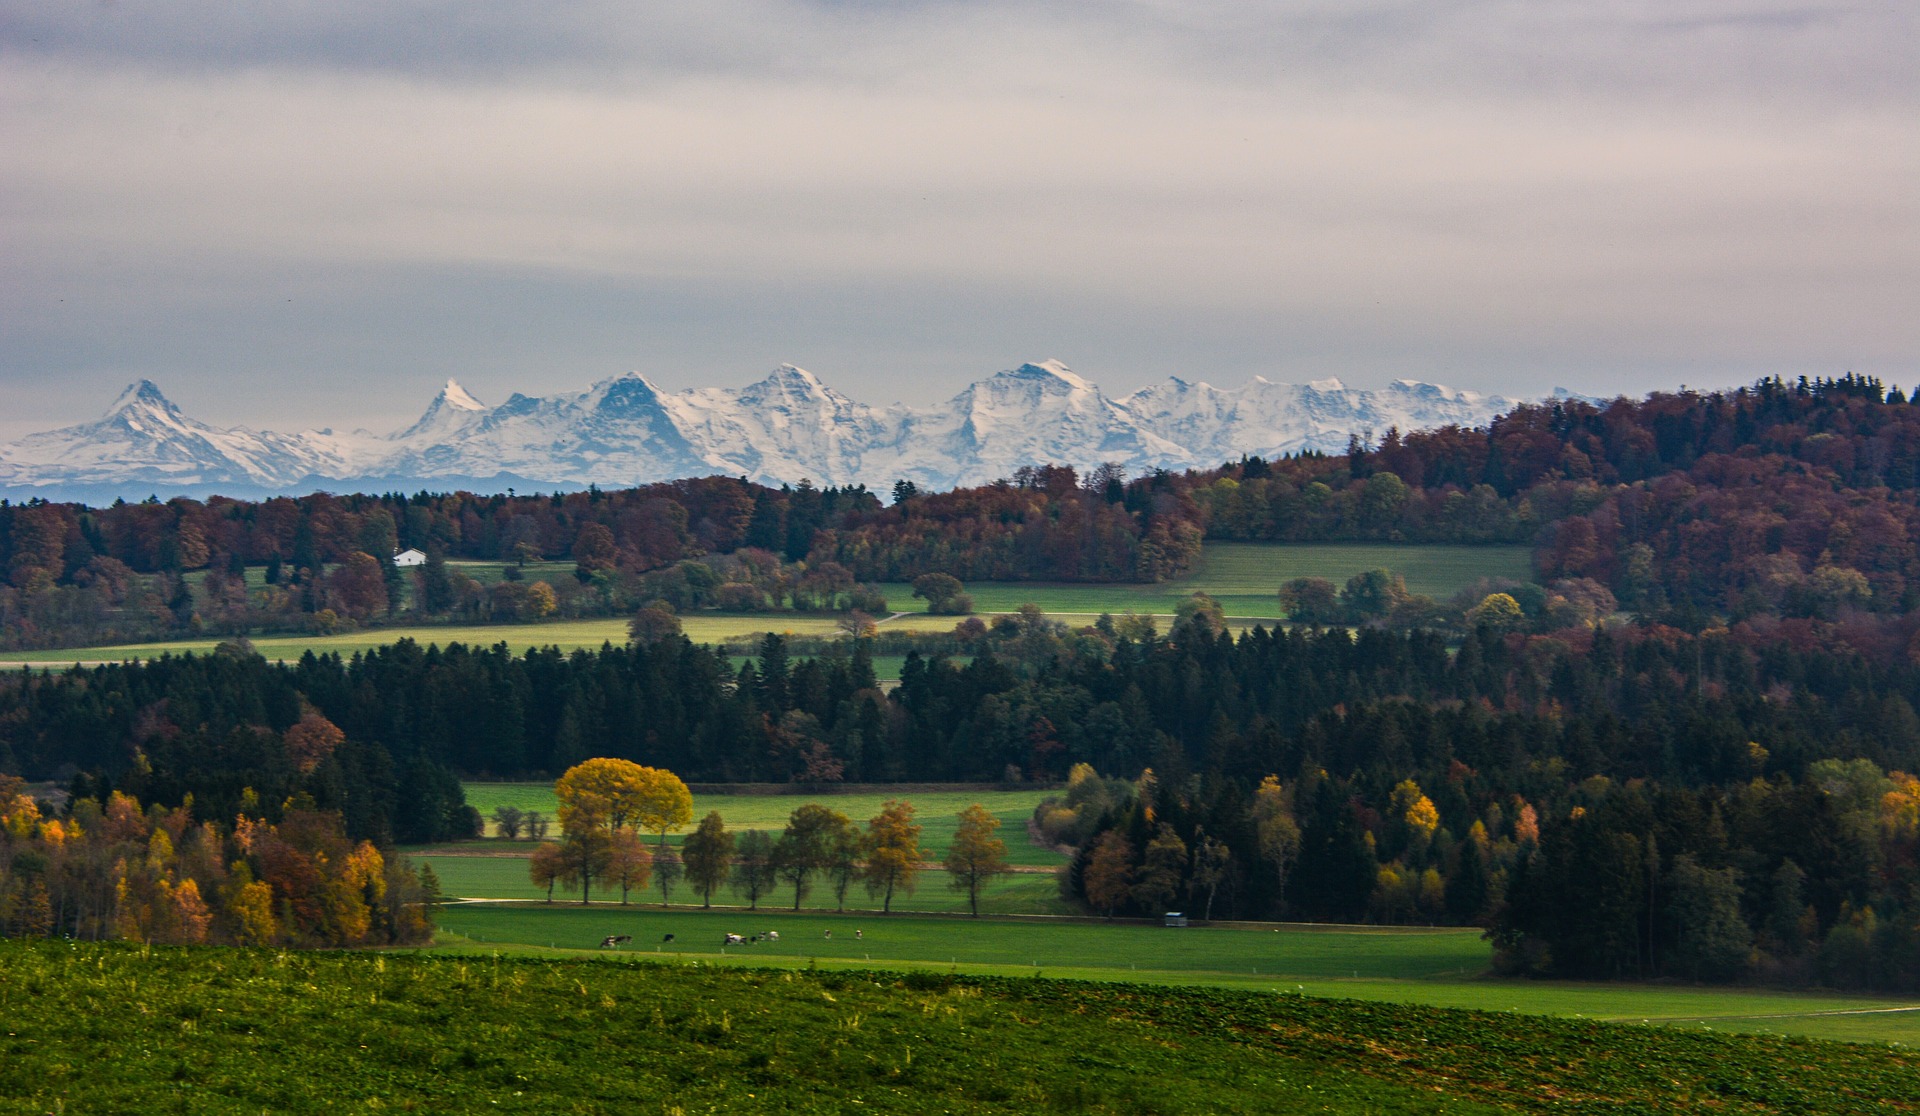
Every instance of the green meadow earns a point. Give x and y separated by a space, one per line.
1433 967
1246 578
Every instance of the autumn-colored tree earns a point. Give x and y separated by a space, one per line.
708 856
358 588
1108 879
615 794
975 857
893 851
1310 600
311 740
653 624
628 863
547 866
585 855
1276 830
665 803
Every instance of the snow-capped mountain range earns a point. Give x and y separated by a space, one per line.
626 431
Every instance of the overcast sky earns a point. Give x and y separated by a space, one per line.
313 212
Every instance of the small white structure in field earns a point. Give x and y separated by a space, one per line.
409 557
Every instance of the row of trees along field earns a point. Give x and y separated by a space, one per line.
111 870
1791 499
608 805
1426 782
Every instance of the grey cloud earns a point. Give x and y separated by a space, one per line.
280 206
1633 48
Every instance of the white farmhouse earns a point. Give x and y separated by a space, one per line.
409 557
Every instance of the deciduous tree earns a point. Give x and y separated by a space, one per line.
976 857
893 851
708 855
753 866
1108 878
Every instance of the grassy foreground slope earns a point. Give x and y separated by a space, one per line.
121 1028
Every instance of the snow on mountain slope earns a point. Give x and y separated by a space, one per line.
625 431
783 428
1268 419
1035 414
144 439
618 432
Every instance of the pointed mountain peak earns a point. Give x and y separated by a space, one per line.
626 394
142 395
458 398
793 378
1049 370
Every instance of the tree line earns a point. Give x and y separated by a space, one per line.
606 805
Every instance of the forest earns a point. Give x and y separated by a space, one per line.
1756 772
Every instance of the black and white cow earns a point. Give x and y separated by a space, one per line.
615 941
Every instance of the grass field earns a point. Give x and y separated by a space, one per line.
1244 577
497 869
1439 968
123 1028
505 877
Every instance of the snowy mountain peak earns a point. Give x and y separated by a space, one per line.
629 392
144 395
793 373
451 410
788 425
1049 371
458 398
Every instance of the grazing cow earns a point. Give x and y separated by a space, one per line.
829 934
859 933
773 935
755 940
614 941
734 939
666 939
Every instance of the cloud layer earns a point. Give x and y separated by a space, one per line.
354 201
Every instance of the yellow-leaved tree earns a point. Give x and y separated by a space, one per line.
602 803
893 851
613 794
